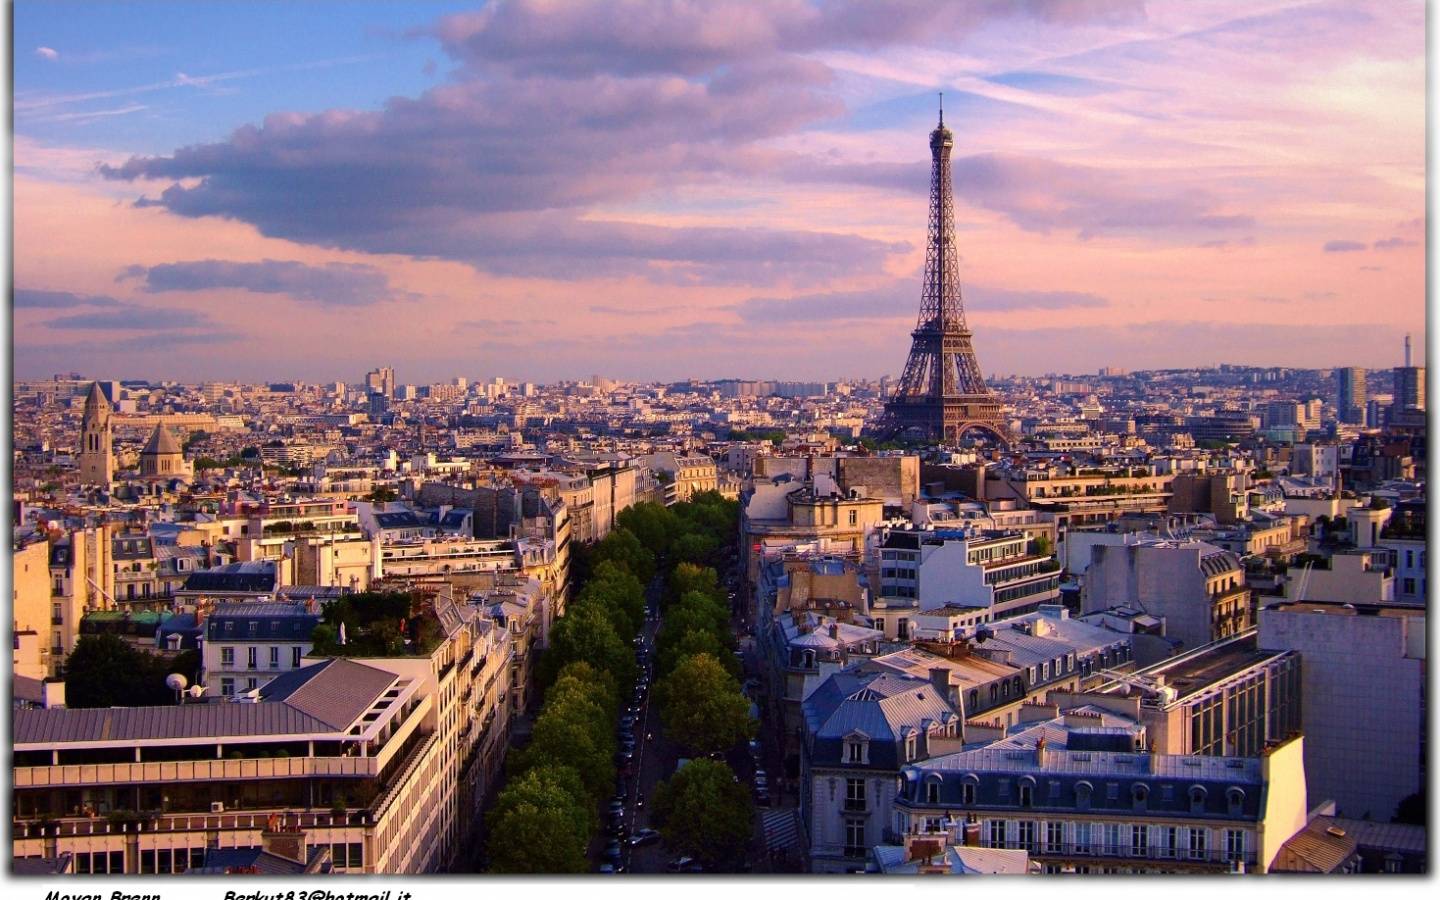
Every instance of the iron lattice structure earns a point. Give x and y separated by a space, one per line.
942 394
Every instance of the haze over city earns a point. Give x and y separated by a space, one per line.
545 190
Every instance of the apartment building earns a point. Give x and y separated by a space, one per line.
1363 679
1197 588
1103 808
247 645
993 574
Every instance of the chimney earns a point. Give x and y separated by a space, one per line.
279 839
1040 752
940 677
971 833
834 630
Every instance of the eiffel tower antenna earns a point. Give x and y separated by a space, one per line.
942 393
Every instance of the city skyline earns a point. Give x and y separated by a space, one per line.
713 193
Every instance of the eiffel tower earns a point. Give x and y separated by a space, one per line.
942 394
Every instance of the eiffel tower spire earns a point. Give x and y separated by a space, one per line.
942 394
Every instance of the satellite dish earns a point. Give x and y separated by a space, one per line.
196 690
176 682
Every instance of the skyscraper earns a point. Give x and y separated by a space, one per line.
381 381
1409 384
1350 395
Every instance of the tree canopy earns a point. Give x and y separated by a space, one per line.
702 707
703 813
105 670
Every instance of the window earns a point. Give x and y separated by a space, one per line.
251 684
910 748
227 687
1027 794
1139 840
1054 837
997 832
1082 794
854 752
1112 790
932 792
1235 800
974 700
855 837
274 657
1139 794
902 630
1234 845
251 656
967 792
1199 838
1082 837
1197 799
1169 841
294 657
854 517
855 794
1112 839
1027 836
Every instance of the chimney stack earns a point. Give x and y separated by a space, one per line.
1040 752
279 839
971 833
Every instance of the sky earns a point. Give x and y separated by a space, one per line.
542 190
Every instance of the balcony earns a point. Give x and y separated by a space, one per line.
855 804
1054 851
94 774
84 826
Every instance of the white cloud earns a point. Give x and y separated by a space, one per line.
47 53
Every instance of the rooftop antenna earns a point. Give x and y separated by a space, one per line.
942 125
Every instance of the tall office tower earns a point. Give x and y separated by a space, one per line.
1350 396
942 394
97 465
381 381
1409 384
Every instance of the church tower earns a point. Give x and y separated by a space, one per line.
97 464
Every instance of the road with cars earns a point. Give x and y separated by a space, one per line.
631 844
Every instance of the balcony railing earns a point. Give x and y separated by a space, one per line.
169 823
1214 856
93 774
855 804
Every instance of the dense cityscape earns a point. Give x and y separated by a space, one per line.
1121 621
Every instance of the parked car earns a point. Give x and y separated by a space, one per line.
606 869
612 851
617 806
683 864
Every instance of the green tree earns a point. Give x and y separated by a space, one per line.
1042 545
586 633
539 826
692 642
689 577
701 706
703 813
568 733
104 670
622 547
654 525
620 593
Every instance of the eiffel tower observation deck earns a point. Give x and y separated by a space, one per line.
942 395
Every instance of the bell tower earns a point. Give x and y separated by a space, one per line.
97 463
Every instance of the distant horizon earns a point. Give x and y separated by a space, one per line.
233 190
585 379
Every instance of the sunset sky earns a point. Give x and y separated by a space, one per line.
662 190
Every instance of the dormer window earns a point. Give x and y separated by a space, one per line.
1197 799
1139 794
1235 799
932 791
910 748
857 749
